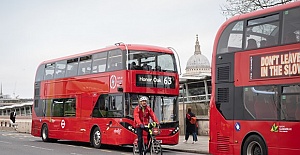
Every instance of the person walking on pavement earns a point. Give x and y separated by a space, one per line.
142 114
13 117
190 128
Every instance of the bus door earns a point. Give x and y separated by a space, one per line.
261 104
83 114
56 125
114 113
289 126
64 116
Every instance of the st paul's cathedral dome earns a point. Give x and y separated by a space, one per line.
197 65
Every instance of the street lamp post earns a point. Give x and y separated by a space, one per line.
183 107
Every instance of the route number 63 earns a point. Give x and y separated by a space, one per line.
167 80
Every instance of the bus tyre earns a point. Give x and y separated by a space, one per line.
96 138
254 145
45 136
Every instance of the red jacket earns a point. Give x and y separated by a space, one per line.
142 116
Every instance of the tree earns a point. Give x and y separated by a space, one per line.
236 7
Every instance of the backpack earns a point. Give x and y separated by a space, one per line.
193 120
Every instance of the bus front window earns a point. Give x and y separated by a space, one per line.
151 61
164 107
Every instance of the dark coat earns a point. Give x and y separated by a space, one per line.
190 128
13 116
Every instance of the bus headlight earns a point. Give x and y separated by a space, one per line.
175 131
128 126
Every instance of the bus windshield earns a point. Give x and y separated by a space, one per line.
152 61
164 107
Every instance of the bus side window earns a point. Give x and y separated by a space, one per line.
69 107
290 106
72 66
291 30
249 102
49 71
40 73
270 41
48 76
262 43
297 112
231 38
100 110
290 38
111 66
251 44
119 66
265 107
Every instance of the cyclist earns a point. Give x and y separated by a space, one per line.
142 114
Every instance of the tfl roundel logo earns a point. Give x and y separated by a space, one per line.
237 126
113 81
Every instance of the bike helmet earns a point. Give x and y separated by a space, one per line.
143 98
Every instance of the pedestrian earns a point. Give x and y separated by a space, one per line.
13 116
13 119
190 127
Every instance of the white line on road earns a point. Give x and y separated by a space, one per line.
5 142
76 154
38 147
87 148
105 150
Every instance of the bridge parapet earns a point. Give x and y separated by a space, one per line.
22 124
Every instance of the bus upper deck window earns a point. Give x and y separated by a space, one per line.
231 38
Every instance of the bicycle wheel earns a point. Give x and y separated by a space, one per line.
156 148
135 149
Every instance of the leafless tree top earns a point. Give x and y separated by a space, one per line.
236 7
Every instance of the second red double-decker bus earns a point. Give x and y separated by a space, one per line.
90 97
255 103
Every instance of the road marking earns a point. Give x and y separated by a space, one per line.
105 150
5 142
38 147
72 145
76 154
87 148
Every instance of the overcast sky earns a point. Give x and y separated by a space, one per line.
32 31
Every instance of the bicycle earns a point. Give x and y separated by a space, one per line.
153 144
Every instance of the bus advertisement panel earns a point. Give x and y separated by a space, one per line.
255 103
90 97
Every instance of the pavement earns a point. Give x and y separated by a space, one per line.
201 146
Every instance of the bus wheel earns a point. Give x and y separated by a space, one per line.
254 145
96 138
45 136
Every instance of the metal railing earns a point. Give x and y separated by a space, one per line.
195 98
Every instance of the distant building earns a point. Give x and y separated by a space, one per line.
196 89
8 104
197 65
6 99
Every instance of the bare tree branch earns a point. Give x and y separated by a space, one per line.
236 7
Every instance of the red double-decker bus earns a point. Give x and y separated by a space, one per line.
90 97
255 101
